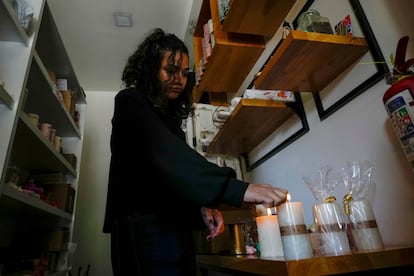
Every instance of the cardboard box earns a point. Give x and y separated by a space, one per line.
217 245
61 194
71 159
50 178
56 240
43 239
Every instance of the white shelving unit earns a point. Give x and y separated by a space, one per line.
27 58
5 98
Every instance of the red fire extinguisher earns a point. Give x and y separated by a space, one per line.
399 103
399 100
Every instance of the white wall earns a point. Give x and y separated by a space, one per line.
359 131
93 246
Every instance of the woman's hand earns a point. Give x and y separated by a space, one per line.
265 194
214 221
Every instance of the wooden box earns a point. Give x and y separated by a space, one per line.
56 240
61 194
71 158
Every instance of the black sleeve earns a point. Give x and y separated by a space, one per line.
146 137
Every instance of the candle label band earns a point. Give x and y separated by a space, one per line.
335 227
365 224
293 230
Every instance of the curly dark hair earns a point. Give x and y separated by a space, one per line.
142 69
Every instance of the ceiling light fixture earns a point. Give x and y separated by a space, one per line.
123 19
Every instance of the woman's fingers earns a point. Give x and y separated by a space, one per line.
265 194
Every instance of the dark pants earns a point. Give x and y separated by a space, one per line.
139 246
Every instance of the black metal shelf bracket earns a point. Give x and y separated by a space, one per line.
297 106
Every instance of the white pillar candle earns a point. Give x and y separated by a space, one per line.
364 226
295 239
269 236
330 219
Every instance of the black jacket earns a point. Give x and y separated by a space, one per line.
153 170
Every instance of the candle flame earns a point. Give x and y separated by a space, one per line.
288 197
269 211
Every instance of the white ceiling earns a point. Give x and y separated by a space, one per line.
98 49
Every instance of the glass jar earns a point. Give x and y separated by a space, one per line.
312 21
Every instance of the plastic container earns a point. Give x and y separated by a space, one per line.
312 21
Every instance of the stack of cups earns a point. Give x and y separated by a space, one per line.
330 219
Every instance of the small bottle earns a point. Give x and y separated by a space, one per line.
312 21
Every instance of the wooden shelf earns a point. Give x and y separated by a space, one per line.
390 259
251 121
232 57
308 62
256 17
303 62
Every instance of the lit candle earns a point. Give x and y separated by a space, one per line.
295 239
269 235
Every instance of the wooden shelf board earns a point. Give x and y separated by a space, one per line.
324 265
250 123
209 10
202 19
263 17
228 66
308 62
229 37
197 93
232 57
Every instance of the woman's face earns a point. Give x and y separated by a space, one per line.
173 74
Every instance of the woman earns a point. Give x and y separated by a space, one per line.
160 189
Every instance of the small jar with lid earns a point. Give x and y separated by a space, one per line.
312 21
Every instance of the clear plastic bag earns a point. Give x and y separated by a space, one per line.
329 216
357 177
